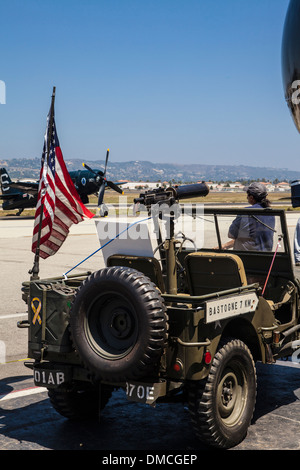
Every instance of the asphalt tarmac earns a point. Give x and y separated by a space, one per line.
28 421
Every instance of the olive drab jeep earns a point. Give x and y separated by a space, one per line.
188 322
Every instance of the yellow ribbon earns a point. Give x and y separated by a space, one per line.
36 310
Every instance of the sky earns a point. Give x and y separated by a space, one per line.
168 81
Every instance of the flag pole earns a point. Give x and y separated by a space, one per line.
35 269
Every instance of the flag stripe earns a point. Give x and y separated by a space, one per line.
70 186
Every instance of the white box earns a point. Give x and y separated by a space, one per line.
126 236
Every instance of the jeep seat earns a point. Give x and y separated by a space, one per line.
209 272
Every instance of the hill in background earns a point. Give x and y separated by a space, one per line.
148 171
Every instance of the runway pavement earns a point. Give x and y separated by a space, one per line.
27 421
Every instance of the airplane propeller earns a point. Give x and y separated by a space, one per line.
101 179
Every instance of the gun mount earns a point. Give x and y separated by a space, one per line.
163 203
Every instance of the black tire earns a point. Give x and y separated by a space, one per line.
222 405
81 401
118 324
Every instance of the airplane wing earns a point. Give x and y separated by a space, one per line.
30 188
10 196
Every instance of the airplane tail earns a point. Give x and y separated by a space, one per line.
5 182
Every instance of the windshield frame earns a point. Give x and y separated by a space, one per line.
234 211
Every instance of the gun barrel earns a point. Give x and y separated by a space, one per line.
188 191
171 195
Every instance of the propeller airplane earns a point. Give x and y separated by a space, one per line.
23 194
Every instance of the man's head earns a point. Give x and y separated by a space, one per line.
257 191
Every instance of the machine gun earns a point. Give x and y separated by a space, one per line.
163 203
170 196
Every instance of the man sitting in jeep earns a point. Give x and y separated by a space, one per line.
251 232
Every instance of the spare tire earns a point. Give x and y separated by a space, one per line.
118 324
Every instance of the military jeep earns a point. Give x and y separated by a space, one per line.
187 323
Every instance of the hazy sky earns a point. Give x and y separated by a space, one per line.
185 81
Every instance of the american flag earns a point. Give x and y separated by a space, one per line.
57 198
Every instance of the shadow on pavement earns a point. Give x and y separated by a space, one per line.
129 426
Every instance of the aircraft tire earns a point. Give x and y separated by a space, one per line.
118 324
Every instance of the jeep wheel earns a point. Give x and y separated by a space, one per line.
222 405
118 324
81 401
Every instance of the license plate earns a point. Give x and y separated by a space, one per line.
145 392
50 378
